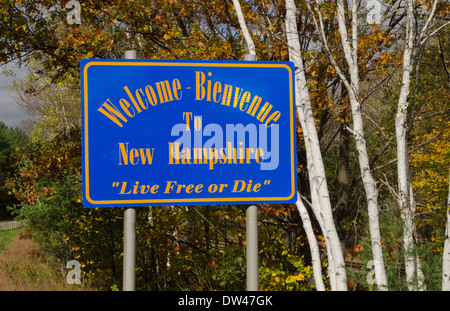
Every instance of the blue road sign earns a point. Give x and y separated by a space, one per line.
159 132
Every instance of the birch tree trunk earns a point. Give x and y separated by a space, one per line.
352 86
315 204
302 210
314 248
446 255
319 187
414 276
351 56
241 19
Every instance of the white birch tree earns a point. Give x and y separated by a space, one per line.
314 248
406 201
446 255
352 84
301 208
316 171
248 39
413 42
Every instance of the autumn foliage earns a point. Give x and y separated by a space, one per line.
203 247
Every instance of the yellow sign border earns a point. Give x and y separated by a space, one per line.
189 64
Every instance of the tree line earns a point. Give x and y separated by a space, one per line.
372 100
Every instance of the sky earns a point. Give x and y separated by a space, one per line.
10 113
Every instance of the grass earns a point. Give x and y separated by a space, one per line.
23 267
6 237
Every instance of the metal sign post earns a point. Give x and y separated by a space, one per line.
252 234
129 249
252 248
129 233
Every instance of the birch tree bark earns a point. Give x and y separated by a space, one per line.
446 255
414 275
406 203
302 210
246 34
315 204
351 56
314 248
317 178
352 86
